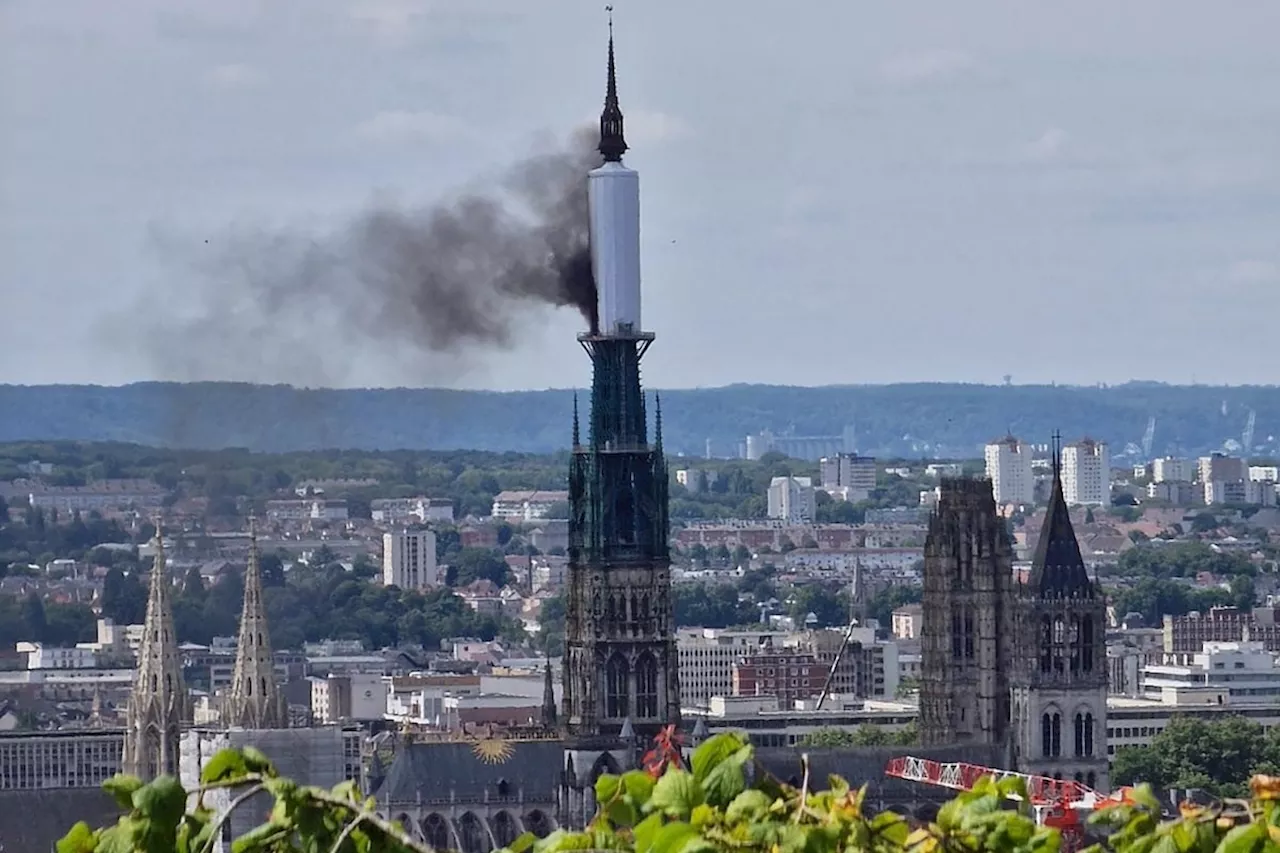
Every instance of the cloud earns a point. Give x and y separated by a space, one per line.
1048 146
399 126
644 126
232 76
1254 272
926 66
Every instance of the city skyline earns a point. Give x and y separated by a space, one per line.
1037 175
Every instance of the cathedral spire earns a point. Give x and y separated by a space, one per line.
158 703
612 143
1058 570
548 699
255 699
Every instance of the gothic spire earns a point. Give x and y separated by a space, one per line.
1058 570
612 143
255 699
158 703
548 699
576 436
657 421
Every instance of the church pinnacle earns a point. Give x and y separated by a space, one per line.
255 701
159 703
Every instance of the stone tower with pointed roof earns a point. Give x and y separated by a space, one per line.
1059 683
254 700
158 704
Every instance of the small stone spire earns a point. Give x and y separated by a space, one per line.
255 700
158 704
612 143
548 699
657 421
576 434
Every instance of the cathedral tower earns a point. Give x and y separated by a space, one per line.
965 640
255 700
1060 676
158 704
620 655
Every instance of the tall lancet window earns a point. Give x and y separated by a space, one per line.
1073 640
1086 644
646 686
1046 645
617 699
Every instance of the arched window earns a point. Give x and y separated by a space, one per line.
1046 645
1092 779
1059 638
435 831
1080 777
1046 735
1086 641
1073 641
1088 735
646 686
968 634
504 829
1079 735
473 835
617 698
248 687
957 632
537 822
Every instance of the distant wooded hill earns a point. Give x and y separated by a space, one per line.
913 420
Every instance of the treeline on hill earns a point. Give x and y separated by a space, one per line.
938 419
1156 575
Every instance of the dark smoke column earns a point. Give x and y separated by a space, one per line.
620 683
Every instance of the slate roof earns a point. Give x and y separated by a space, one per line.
1057 570
467 771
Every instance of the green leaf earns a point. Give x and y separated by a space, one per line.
522 843
676 794
639 785
607 787
1244 839
726 780
256 762
163 800
646 831
122 787
749 805
258 838
226 764
621 812
715 750
672 837
79 840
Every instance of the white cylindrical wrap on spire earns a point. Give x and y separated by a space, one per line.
613 194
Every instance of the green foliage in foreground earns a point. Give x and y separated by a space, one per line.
705 808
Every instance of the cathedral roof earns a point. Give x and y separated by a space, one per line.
1058 570
468 770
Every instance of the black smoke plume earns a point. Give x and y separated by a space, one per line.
435 282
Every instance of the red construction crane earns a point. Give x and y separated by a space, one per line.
1056 802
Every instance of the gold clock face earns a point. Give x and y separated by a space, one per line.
492 750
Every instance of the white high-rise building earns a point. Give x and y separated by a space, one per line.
1009 470
791 499
1086 473
1171 469
409 559
853 474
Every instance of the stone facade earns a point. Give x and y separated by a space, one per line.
1019 667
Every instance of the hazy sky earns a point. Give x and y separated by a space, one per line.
833 192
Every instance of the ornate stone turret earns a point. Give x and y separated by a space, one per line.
158 705
548 700
255 700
